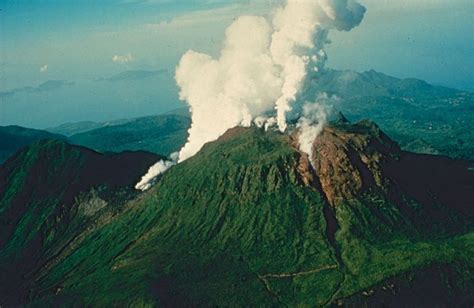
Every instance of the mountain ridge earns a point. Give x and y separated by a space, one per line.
15 137
244 218
51 193
162 134
423 118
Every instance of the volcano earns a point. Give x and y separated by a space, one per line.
249 220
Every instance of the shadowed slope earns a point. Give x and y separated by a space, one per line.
358 165
13 138
50 193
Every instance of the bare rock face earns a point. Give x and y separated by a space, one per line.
352 159
348 159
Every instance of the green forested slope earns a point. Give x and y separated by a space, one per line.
163 134
51 194
247 221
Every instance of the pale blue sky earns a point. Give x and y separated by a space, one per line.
77 41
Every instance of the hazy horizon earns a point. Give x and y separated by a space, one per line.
80 45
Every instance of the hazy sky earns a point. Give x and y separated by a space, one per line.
81 42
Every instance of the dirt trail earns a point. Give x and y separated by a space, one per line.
266 277
290 275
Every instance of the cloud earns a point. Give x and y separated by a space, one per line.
214 15
191 19
123 59
44 68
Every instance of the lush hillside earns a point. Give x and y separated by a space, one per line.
69 129
13 138
162 134
247 221
52 195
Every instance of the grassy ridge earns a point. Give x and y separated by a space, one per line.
234 225
52 195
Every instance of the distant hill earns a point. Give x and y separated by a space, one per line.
371 83
13 138
49 85
135 75
423 118
69 129
245 222
180 111
163 134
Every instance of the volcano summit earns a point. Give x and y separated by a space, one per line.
249 221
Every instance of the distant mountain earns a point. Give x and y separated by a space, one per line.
180 111
423 118
348 83
52 85
13 138
69 129
136 75
48 85
247 221
163 134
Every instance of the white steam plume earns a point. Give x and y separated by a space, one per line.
147 180
232 90
312 121
157 169
261 68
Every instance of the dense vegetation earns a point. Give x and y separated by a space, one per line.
50 194
162 134
248 222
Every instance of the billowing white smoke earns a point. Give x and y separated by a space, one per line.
232 90
159 168
312 121
261 68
